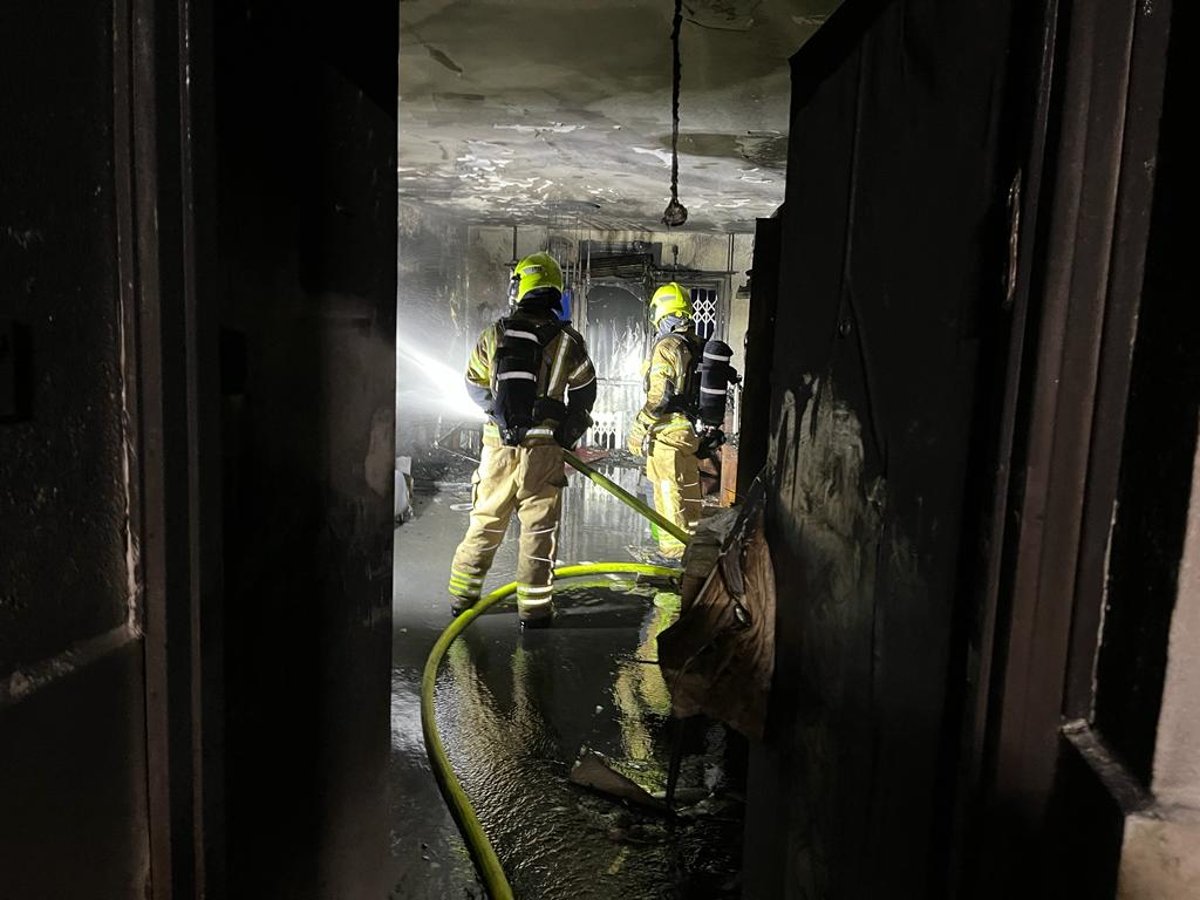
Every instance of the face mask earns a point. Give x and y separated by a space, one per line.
671 323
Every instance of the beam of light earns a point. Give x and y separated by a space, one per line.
432 384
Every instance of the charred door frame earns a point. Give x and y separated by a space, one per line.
164 185
1080 260
760 336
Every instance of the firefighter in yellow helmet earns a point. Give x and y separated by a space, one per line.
663 430
531 374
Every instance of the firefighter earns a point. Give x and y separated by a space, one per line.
531 375
663 431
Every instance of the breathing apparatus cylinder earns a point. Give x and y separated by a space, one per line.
716 375
518 404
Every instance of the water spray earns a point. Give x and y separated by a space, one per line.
443 385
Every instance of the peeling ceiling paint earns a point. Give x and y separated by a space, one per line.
556 113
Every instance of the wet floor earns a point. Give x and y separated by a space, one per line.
515 709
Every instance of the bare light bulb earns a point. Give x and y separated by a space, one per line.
675 214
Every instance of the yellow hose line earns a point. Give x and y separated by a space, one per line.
456 798
627 498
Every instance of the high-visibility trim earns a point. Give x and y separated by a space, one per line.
715 356
705 390
463 576
524 335
523 589
524 376
540 431
464 592
663 501
581 368
560 360
585 384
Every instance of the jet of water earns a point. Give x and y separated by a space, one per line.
432 384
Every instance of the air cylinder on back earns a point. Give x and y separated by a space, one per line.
716 374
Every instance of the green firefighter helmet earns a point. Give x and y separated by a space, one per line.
670 300
537 272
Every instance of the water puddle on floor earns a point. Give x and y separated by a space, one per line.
516 710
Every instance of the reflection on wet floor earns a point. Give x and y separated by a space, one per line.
515 710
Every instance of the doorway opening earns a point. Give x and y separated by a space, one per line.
567 151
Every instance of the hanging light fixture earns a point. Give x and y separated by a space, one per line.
676 213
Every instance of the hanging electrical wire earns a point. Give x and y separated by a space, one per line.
676 213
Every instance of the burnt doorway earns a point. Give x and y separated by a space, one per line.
617 336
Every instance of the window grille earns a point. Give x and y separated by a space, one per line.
706 305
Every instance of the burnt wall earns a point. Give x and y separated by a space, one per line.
306 174
62 496
1158 452
72 778
890 260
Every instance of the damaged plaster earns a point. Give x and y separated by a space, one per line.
577 107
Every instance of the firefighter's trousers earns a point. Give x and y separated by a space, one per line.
527 481
674 471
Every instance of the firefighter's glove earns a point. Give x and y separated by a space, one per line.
549 408
710 442
639 438
572 429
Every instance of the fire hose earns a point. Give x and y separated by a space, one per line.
480 848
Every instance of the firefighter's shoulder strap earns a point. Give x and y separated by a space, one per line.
682 343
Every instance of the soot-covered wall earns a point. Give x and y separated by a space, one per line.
889 262
307 232
72 754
